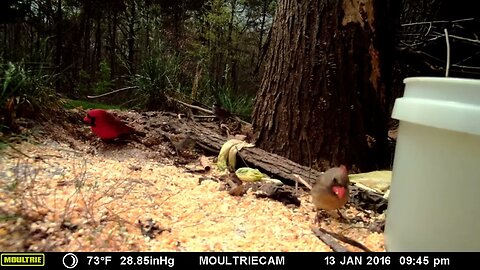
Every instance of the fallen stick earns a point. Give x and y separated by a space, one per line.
193 106
303 182
329 240
205 163
345 239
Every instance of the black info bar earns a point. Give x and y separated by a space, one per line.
235 260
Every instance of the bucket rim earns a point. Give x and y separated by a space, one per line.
441 79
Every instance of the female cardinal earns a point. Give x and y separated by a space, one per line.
330 192
105 125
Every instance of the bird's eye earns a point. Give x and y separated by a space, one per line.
92 120
335 181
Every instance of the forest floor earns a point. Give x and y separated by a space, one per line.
62 189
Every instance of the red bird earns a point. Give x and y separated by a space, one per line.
106 126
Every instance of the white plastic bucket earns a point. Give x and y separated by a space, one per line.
434 202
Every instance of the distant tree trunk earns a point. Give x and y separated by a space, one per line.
48 15
178 28
131 36
262 26
323 89
31 42
113 43
231 49
148 25
217 65
4 40
59 39
86 40
98 39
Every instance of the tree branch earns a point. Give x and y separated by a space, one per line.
114 91
432 22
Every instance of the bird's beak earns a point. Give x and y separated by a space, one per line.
89 121
339 191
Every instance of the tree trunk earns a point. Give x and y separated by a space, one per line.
148 25
113 43
323 89
86 41
131 36
262 26
98 40
232 46
59 39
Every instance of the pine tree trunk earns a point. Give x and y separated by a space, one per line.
323 91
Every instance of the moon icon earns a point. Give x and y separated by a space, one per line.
70 263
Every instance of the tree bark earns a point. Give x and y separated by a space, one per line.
323 89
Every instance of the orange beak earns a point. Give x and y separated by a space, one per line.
339 191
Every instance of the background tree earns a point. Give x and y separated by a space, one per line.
323 92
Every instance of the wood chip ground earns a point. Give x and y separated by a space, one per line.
91 199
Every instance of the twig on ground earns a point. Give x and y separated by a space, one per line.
344 239
329 240
305 183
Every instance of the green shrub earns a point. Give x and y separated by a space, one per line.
103 83
156 80
239 104
28 88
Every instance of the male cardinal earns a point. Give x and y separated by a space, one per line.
105 125
331 192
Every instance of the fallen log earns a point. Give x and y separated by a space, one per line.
279 167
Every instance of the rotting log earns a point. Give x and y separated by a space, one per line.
279 167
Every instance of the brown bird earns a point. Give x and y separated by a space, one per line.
331 191
182 141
